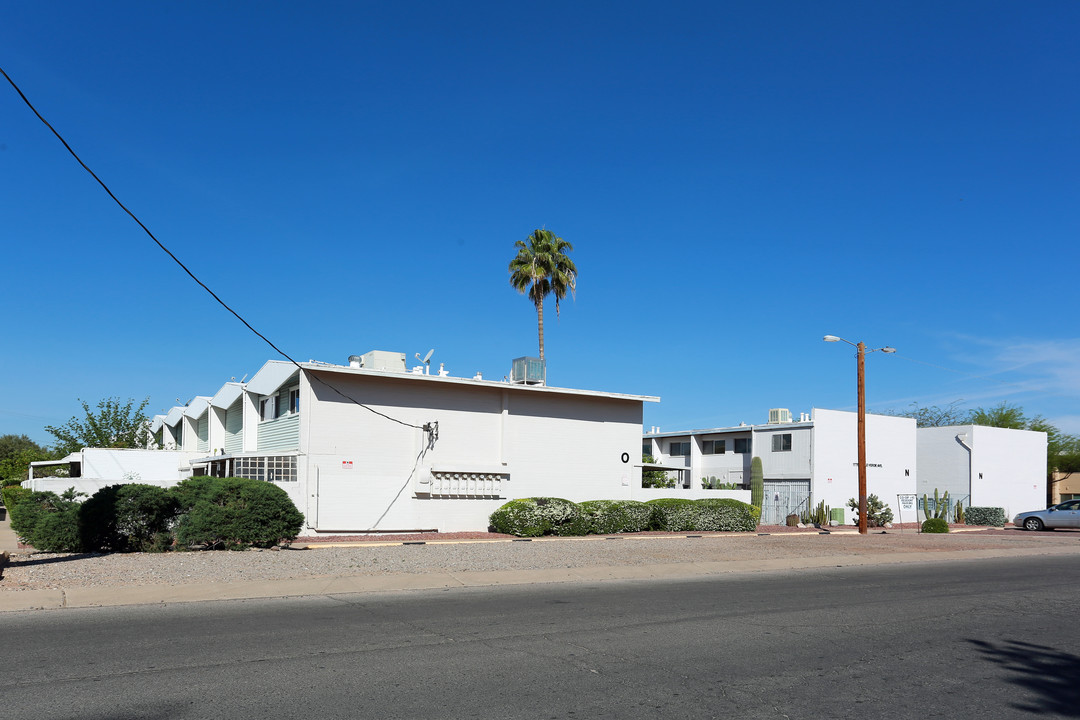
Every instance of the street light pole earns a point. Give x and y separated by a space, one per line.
862 436
860 355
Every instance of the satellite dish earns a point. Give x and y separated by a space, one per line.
427 358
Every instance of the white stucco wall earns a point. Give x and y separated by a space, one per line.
361 469
101 467
890 459
1007 467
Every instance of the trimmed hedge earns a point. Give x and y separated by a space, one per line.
128 518
706 514
13 494
533 517
935 525
47 521
209 512
992 516
606 517
234 513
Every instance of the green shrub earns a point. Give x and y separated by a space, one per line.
616 516
672 514
234 513
533 517
13 494
992 516
935 525
127 518
877 512
47 521
728 515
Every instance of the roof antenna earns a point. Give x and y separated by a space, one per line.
426 360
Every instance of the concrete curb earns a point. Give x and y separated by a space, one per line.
80 597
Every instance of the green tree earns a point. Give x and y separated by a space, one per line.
115 424
16 454
541 268
1062 449
934 415
655 478
1002 415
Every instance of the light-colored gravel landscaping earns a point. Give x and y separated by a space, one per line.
46 571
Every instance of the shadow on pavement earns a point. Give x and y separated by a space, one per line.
1049 674
15 562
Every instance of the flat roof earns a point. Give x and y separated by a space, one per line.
492 384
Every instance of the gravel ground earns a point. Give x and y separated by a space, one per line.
41 570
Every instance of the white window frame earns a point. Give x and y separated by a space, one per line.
268 408
294 400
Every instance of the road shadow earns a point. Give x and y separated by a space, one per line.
1047 673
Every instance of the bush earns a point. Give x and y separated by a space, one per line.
47 521
234 513
935 525
877 512
993 516
127 518
672 514
705 515
729 515
13 495
605 517
533 517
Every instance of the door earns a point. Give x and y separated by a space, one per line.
783 497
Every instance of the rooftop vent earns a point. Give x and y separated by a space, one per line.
379 360
779 416
528 371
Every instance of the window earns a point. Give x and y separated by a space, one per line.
646 448
294 400
679 449
742 446
714 447
272 468
781 442
268 408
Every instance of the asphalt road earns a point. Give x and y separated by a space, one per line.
982 638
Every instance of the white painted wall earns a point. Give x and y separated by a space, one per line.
102 467
890 451
1012 465
361 468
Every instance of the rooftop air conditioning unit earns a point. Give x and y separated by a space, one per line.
778 416
528 371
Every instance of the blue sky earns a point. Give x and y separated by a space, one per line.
737 179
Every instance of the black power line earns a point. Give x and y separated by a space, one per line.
183 266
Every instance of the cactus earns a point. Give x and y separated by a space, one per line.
818 516
941 506
757 483
959 513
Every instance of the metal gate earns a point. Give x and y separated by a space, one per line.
783 497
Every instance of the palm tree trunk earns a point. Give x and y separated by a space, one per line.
540 325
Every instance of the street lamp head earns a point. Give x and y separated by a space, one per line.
888 349
831 338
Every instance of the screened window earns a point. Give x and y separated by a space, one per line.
679 449
742 446
781 442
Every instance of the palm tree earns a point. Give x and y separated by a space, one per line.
541 268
